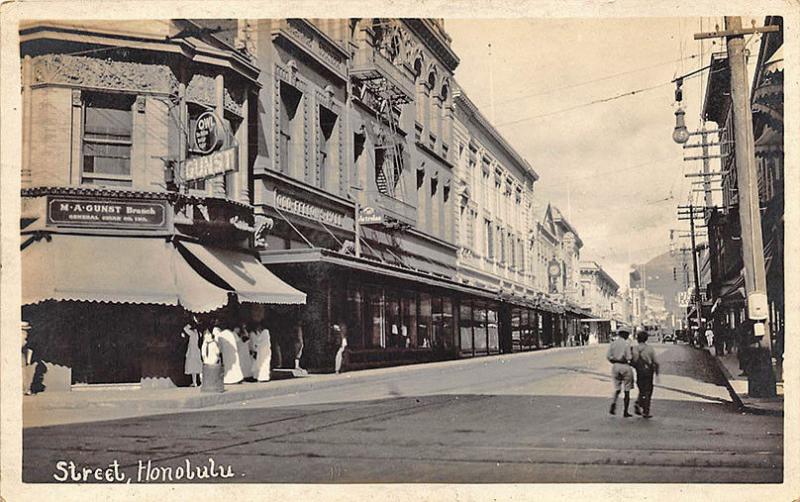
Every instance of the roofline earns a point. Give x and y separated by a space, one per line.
460 97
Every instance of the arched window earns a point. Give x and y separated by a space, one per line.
431 79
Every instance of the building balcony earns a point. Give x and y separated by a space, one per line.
381 76
392 208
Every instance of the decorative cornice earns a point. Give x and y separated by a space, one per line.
434 41
103 74
202 89
474 115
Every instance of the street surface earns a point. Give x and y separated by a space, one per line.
524 418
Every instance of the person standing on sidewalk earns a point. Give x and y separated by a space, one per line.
644 360
620 355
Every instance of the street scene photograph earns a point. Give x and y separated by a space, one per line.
401 250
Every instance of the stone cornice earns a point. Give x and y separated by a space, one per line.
473 114
431 38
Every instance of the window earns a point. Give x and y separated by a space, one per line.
489 238
107 139
290 129
327 123
388 168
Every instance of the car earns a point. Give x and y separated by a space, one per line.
669 337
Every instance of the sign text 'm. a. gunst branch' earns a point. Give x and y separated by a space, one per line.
106 212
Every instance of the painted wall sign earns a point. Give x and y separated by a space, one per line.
301 208
208 166
208 133
99 212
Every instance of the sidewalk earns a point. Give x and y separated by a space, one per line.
737 386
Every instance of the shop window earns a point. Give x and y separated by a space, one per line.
107 139
479 325
446 339
465 327
394 322
374 316
516 328
493 330
408 330
425 321
290 128
326 125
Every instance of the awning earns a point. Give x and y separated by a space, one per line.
595 320
114 269
775 63
245 275
385 270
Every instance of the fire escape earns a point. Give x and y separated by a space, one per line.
384 88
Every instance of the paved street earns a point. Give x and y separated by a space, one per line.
533 417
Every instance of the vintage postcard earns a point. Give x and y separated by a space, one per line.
414 250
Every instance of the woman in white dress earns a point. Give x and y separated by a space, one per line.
227 341
193 364
243 347
263 346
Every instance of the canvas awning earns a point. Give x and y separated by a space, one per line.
114 269
245 275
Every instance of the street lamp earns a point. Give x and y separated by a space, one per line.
680 134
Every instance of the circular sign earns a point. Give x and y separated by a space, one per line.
207 133
554 269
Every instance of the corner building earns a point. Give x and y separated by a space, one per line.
130 222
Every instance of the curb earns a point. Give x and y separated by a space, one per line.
726 378
313 382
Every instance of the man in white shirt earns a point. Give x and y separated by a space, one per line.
620 355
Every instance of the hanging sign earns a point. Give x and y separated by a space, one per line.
370 216
208 166
208 133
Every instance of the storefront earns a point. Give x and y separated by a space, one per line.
390 315
110 277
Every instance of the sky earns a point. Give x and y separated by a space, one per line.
611 168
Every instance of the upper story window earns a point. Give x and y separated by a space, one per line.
290 128
327 124
107 138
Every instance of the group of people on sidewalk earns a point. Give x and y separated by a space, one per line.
624 358
243 351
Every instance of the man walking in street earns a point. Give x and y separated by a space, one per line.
644 360
620 355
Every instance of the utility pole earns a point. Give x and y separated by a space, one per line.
761 382
690 213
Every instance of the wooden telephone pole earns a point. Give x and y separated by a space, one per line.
761 381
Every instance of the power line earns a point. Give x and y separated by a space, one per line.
587 82
595 102
689 75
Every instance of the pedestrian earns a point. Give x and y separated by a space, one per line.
263 347
231 363
243 349
193 365
341 332
620 355
644 360
709 337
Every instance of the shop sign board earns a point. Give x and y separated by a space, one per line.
305 209
208 166
370 216
105 212
207 133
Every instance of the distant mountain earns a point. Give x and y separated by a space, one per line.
657 277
